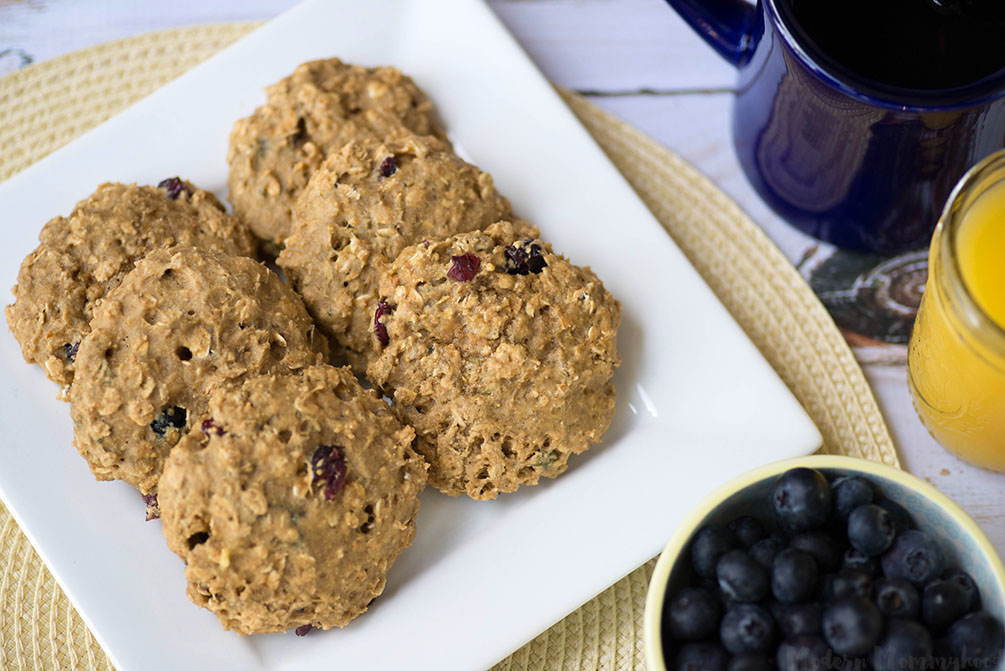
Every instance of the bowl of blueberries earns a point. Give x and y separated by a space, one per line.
826 563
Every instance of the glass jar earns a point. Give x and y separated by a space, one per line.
956 358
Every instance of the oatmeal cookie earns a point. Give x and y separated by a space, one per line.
292 502
181 324
369 201
85 255
310 113
499 353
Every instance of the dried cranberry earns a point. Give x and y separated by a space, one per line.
303 629
173 417
208 425
388 166
70 351
465 267
174 187
328 466
523 258
153 510
378 326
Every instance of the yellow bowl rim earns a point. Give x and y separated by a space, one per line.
653 643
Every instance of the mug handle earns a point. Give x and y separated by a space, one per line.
725 24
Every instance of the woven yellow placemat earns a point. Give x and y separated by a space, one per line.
46 105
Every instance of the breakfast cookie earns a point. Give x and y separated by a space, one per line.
181 324
292 501
499 353
310 113
85 255
366 203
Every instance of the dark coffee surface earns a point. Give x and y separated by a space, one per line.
918 44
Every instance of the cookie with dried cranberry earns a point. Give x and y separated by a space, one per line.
292 501
181 324
499 353
366 203
85 255
312 112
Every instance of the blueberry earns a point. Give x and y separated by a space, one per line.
850 582
852 625
774 606
963 579
304 629
803 653
871 529
850 492
901 519
825 587
942 603
749 661
905 645
70 351
793 576
170 418
524 257
700 657
693 614
913 556
765 550
747 628
799 619
896 597
823 548
853 559
708 546
801 500
741 578
748 530
710 585
976 640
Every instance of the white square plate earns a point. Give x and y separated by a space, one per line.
697 404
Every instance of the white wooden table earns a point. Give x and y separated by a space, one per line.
636 59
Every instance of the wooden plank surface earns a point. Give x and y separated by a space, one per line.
635 58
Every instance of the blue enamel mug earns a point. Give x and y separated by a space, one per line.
849 160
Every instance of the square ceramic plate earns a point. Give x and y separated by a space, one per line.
697 404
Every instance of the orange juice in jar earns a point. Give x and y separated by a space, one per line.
956 359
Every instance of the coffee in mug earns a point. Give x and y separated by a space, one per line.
914 44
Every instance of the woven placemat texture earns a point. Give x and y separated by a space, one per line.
46 105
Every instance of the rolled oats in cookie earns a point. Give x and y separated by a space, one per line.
499 353
369 201
85 255
314 111
182 323
292 501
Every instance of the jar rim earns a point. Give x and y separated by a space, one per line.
972 185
